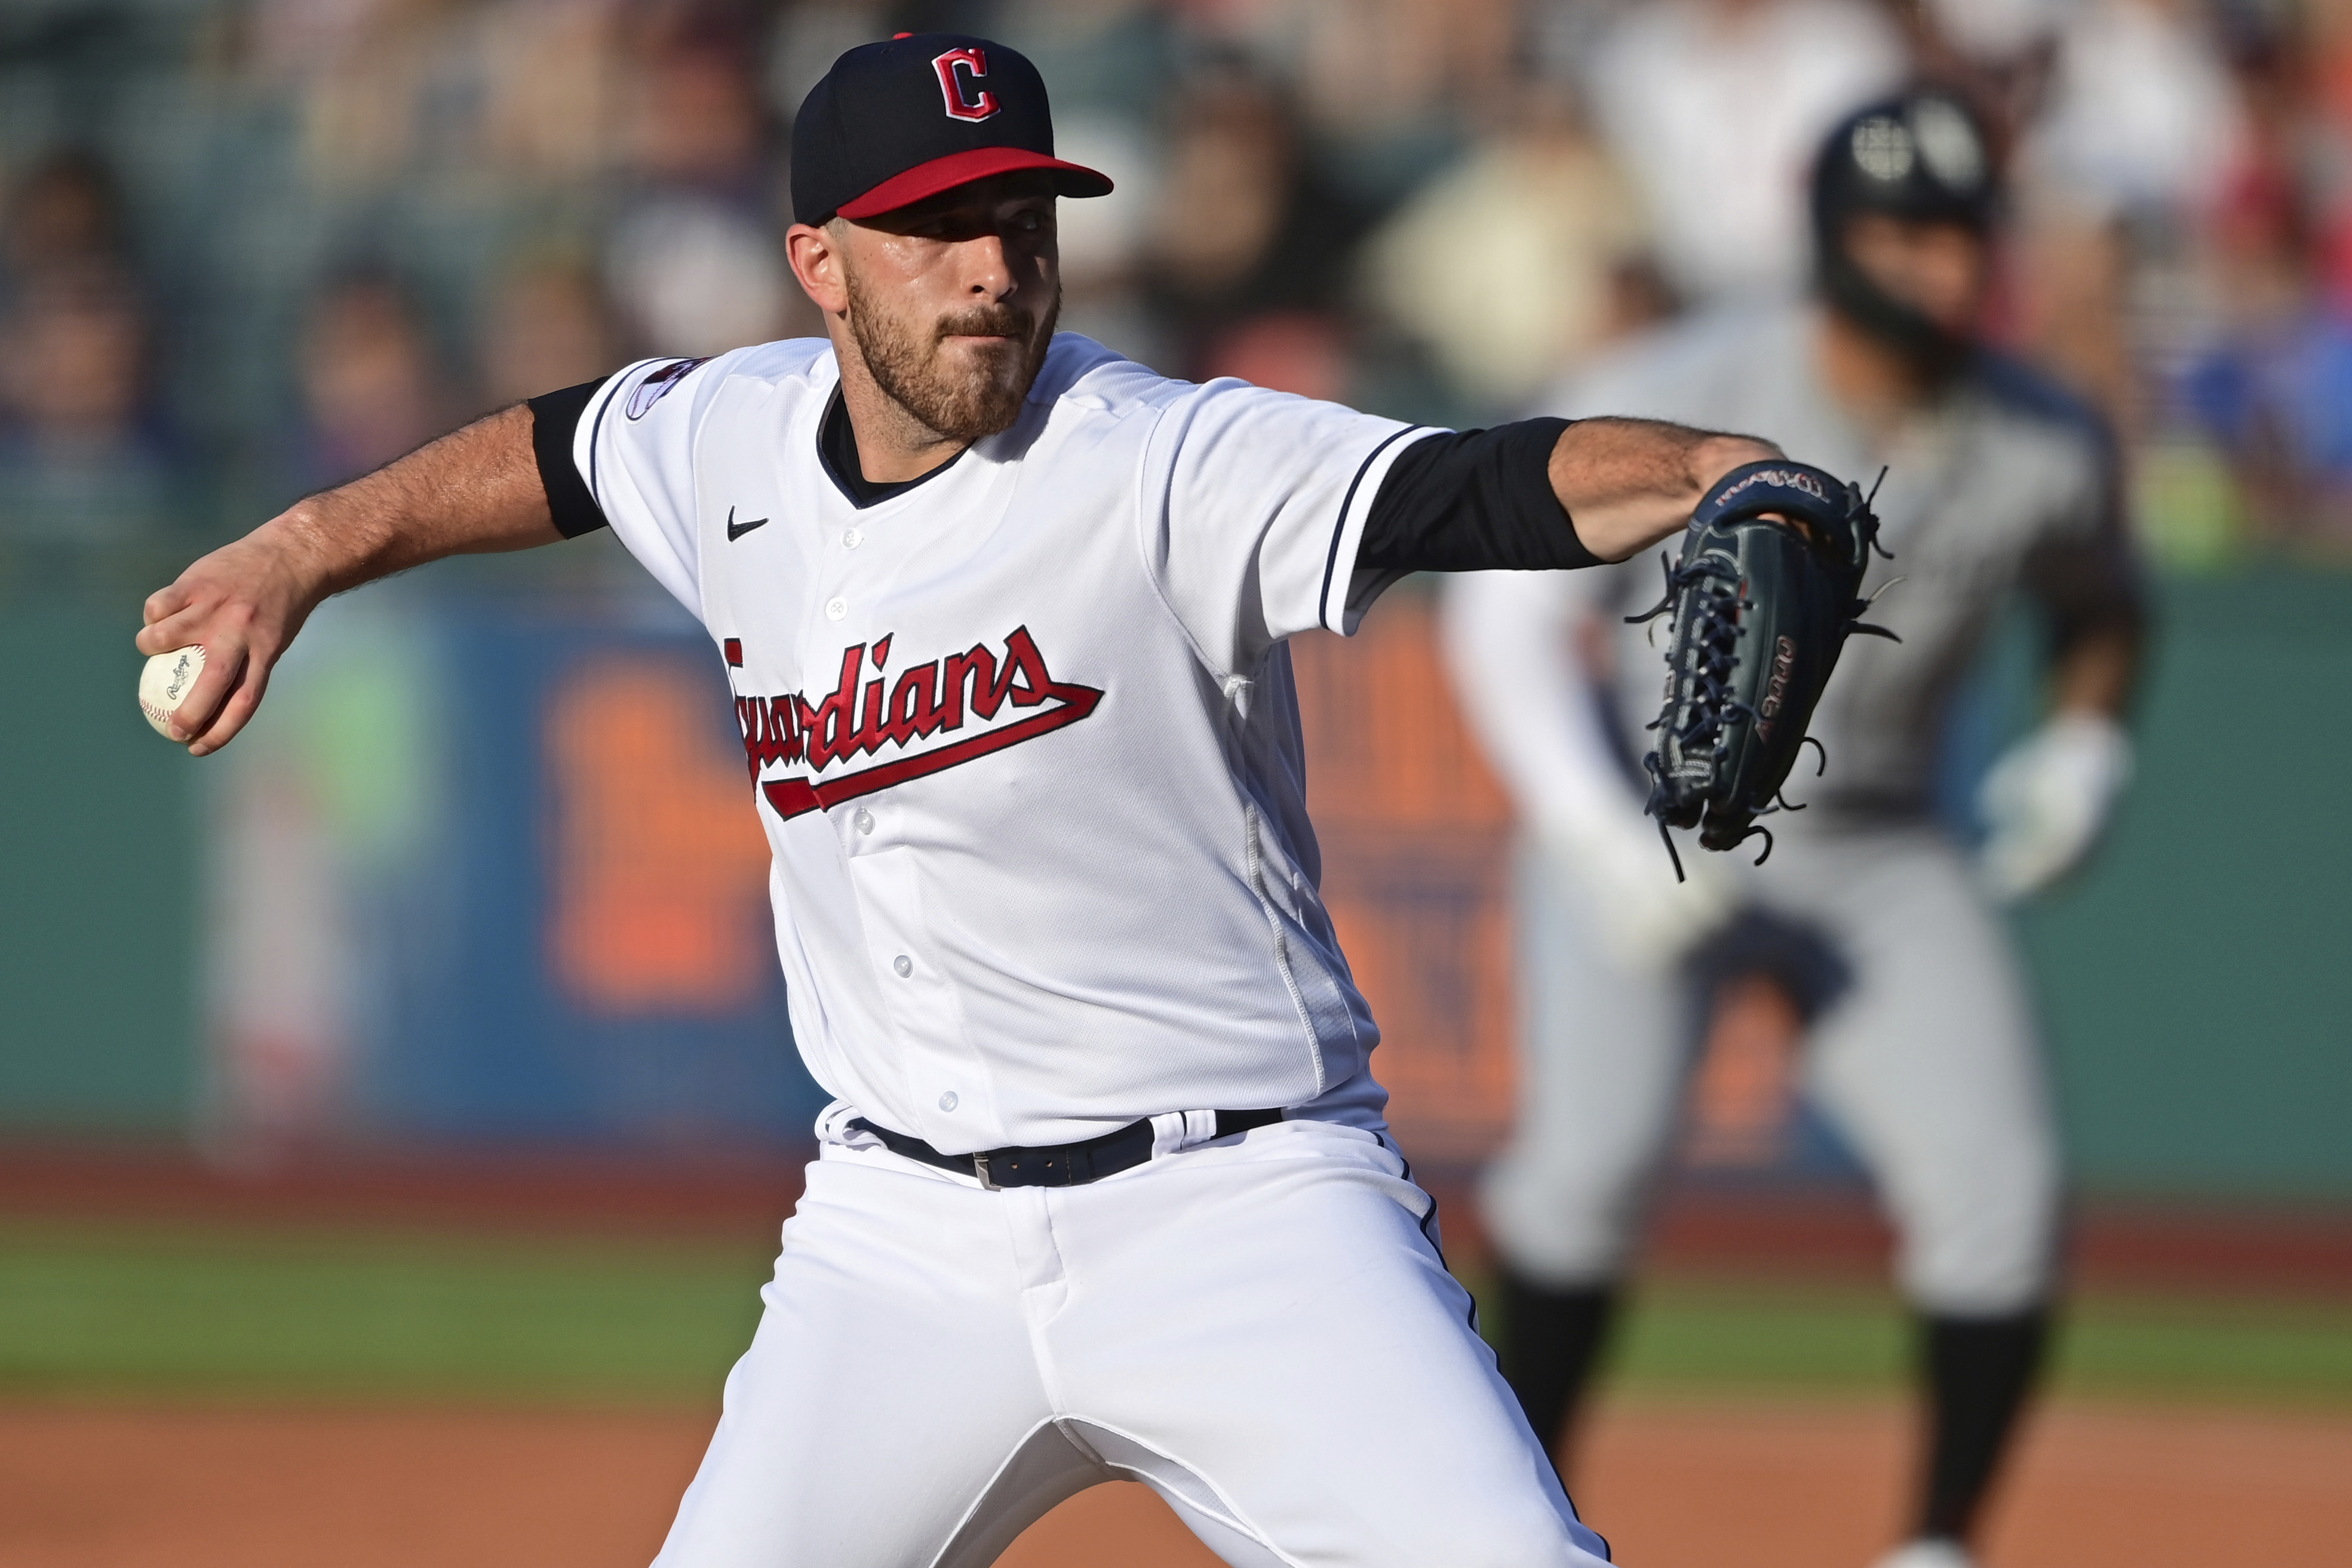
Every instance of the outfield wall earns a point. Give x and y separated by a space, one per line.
2199 979
482 875
98 885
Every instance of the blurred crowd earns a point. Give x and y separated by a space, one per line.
251 247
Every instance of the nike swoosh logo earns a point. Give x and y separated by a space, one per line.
736 530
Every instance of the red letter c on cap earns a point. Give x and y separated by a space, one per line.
966 99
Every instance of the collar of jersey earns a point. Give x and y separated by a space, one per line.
836 449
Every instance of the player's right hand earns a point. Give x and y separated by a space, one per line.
243 602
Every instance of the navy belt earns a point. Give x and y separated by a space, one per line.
1055 1164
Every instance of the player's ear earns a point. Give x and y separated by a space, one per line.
819 263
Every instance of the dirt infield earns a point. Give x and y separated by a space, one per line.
1675 1485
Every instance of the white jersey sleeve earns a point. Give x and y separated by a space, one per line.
1254 512
635 446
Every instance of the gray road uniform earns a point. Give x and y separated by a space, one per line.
1922 1043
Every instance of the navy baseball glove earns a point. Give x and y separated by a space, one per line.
1760 609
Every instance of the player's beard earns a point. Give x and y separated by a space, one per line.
965 402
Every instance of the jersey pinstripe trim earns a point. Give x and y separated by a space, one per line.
1347 532
591 430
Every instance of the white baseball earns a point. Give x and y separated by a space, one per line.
164 684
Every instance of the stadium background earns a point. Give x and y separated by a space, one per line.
410 1083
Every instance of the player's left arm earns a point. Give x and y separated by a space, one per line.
1626 484
2048 799
1545 494
1271 513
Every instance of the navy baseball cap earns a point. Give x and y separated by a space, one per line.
894 122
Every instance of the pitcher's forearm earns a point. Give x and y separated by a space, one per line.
476 489
1629 483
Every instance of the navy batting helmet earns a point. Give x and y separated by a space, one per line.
1924 157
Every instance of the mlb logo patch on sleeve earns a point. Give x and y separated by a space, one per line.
656 386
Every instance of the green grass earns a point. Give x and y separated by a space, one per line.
141 1310
1688 1335
129 1311
1776 1335
2269 1352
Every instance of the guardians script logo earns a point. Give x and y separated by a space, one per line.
930 717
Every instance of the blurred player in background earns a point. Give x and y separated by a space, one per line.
1881 928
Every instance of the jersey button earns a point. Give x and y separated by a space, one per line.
834 608
947 1101
852 539
865 820
904 964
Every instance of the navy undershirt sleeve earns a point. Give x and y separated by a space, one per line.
554 419
1473 500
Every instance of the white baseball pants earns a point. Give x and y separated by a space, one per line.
1258 1329
1929 1062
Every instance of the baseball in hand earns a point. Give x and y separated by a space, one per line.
164 684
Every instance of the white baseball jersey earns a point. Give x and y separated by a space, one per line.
1023 734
